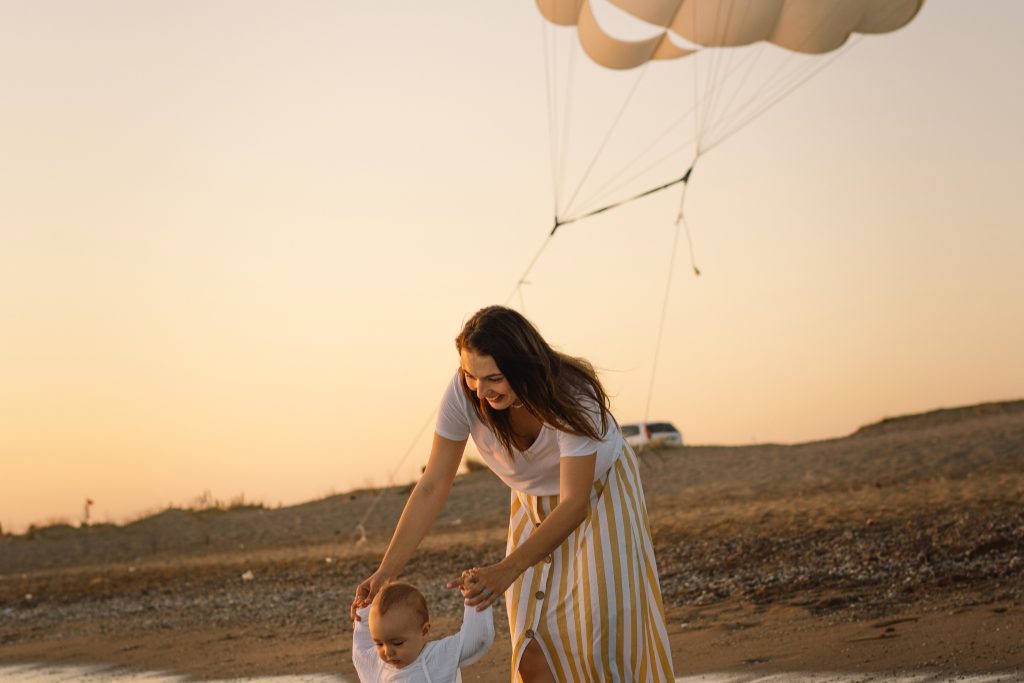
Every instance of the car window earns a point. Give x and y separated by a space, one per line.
661 427
630 430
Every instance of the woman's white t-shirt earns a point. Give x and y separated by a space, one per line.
533 471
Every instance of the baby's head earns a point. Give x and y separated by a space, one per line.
399 623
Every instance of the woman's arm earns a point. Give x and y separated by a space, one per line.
576 477
424 504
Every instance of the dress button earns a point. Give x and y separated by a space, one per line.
529 633
540 595
548 559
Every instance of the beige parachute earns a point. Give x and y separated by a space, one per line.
745 56
808 26
731 87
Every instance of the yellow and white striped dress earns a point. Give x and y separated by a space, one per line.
594 605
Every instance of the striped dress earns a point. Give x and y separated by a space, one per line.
594 605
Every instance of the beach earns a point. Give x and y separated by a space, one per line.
897 548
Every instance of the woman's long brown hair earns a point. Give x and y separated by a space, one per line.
558 389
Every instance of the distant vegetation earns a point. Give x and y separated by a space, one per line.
203 504
56 525
937 418
473 465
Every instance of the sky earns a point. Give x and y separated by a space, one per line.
237 239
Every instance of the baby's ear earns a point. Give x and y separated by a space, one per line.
426 627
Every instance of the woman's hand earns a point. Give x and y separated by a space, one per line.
367 590
482 586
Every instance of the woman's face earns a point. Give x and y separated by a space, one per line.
484 378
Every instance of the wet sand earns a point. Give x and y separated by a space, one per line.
896 549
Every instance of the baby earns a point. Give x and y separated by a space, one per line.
389 639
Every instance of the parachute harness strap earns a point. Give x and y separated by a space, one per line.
558 222
683 179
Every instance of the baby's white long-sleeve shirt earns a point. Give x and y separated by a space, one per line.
438 662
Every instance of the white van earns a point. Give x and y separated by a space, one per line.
647 434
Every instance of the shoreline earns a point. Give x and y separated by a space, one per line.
728 637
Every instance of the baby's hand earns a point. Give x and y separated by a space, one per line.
467 577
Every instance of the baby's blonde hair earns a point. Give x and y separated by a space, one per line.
401 593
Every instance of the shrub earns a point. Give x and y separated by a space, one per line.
473 465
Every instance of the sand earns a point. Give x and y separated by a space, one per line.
899 548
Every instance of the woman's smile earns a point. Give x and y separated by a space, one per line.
485 379
498 402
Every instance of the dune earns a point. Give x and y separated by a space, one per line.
897 548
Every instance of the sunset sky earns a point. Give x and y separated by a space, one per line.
237 239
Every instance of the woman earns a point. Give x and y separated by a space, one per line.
579 576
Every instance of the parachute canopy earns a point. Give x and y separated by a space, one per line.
783 43
681 27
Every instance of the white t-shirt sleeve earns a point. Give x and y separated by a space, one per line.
572 445
453 420
465 647
364 654
476 634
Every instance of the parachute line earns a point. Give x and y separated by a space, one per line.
549 92
522 278
359 529
752 57
767 85
664 310
567 115
779 84
608 188
697 100
804 77
714 83
744 64
608 136
722 61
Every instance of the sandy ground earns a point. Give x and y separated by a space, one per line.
899 548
